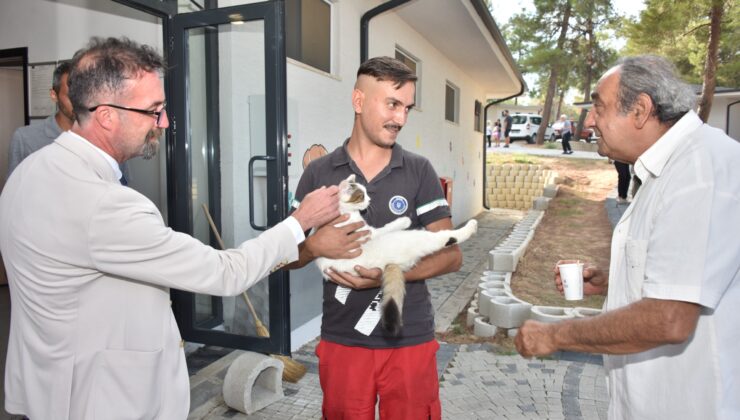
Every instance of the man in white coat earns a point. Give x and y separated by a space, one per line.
90 262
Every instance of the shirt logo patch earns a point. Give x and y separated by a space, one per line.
398 205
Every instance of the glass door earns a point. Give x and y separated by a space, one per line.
229 160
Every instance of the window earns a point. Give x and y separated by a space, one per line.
308 32
452 102
518 119
478 122
415 65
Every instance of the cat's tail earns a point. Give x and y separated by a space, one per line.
394 291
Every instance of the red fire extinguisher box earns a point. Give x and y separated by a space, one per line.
447 188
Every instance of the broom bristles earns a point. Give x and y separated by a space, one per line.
292 370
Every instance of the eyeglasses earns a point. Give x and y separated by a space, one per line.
157 114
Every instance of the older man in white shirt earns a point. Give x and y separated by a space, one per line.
669 330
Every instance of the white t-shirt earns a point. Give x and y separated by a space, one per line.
679 240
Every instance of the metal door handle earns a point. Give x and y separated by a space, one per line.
251 190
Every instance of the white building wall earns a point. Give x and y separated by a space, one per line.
54 30
455 150
718 115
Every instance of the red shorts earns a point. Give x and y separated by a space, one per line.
405 380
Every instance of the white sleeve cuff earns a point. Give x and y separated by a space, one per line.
295 227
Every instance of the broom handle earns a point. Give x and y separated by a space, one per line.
221 244
213 226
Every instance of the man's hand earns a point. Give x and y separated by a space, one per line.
367 278
337 243
595 281
535 339
318 207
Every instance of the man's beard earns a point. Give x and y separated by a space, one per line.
151 144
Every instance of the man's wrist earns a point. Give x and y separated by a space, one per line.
308 247
296 228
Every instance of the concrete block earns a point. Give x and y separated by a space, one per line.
482 328
493 285
581 312
550 191
541 203
484 299
550 314
503 261
253 382
508 312
472 314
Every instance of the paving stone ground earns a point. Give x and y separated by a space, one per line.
475 382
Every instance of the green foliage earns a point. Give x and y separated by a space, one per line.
679 31
533 39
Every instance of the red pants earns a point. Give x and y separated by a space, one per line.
405 379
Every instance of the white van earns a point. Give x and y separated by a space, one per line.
525 126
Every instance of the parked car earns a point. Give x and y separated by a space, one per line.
525 126
587 134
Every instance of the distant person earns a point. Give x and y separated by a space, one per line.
623 181
90 262
507 127
566 132
669 330
489 132
497 132
31 138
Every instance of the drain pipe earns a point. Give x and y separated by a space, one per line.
485 151
727 117
365 24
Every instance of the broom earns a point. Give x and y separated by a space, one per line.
292 370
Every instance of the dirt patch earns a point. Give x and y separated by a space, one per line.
575 226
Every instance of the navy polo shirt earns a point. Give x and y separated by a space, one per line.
408 186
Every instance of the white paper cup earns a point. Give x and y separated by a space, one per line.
572 276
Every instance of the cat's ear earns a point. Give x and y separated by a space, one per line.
351 178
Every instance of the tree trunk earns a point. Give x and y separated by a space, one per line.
554 71
560 105
710 64
588 76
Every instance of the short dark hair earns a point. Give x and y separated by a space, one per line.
56 79
656 77
103 66
387 69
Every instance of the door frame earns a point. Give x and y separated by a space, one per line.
22 53
179 198
181 214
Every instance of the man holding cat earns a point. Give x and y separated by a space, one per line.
358 361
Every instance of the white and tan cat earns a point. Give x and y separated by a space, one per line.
391 248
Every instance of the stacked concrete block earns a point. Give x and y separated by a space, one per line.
483 328
581 312
505 256
508 311
550 191
551 314
485 297
252 382
541 203
513 186
494 306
